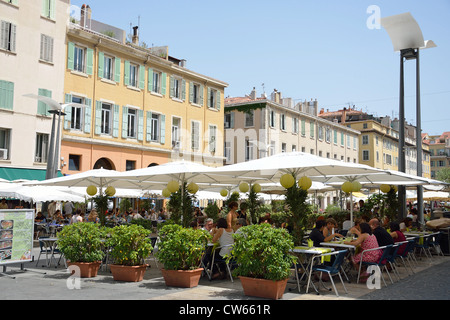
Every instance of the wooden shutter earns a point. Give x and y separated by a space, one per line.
218 100
89 61
125 122
183 89
117 62
149 126
43 107
115 129
127 73
141 77
70 55
98 117
162 119
163 83
101 64
150 80
87 115
67 111
140 129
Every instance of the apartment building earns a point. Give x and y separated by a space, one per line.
32 60
439 150
256 127
378 142
142 107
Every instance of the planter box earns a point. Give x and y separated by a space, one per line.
128 273
182 278
263 288
87 269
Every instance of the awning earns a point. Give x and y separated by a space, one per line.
13 174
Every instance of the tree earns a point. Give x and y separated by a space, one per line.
299 210
443 175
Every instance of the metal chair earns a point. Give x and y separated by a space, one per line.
424 246
380 263
406 255
218 260
332 270
436 243
392 256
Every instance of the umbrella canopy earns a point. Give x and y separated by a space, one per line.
429 195
36 193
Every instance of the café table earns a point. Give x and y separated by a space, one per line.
309 253
50 243
339 244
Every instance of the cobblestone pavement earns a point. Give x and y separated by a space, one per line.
431 281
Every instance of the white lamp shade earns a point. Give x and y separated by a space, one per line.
404 31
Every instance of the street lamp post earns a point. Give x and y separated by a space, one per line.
407 38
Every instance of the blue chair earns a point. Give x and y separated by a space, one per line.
381 263
407 254
392 256
425 246
332 270
436 243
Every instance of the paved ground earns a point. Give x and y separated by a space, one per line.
430 282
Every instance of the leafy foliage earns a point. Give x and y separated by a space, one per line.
299 210
253 204
182 209
212 211
181 248
263 252
101 203
130 244
82 242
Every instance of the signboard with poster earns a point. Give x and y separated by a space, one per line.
16 236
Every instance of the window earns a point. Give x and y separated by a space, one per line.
248 150
283 122
106 118
176 129
295 125
320 135
108 68
294 148
196 94
133 75
76 120
195 135
74 162
272 116
311 129
177 88
328 134
156 87
155 127
46 48
365 155
364 125
4 143
342 139
212 138
283 147
131 121
335 136
272 148
8 36
365 139
213 98
48 9
227 151
249 118
79 59
130 165
229 120
40 154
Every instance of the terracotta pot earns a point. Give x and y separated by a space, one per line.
263 288
182 278
87 269
128 273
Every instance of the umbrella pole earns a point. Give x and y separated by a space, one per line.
351 208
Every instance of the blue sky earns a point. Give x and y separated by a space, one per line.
320 49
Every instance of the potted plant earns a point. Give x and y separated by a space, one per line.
130 245
180 250
263 259
81 243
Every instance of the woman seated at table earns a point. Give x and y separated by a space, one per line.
93 216
223 234
317 235
366 240
397 235
58 217
330 227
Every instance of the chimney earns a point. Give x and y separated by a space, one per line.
344 115
85 16
253 94
135 38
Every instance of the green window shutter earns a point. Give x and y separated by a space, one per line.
163 83
115 130
201 95
127 73
172 89
232 120
67 111
163 129
149 126
15 2
183 89
53 9
218 100
125 122
311 129
208 99
90 61
117 62
70 55
43 107
303 127
98 117
87 115
44 8
191 91
140 133
101 64
141 77
6 95
150 79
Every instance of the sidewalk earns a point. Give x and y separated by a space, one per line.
431 281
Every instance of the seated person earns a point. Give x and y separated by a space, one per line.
383 237
317 236
398 236
39 217
367 241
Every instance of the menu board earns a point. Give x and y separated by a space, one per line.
16 236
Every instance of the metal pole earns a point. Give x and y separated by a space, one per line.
57 146
401 148
419 142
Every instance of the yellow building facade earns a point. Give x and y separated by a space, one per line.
134 107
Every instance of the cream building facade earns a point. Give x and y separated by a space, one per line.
32 59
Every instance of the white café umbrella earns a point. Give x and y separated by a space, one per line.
36 193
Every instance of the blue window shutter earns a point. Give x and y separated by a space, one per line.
115 130
149 126
101 64
141 77
70 55
127 73
117 62
90 61
163 83
163 128
87 115
140 135
150 79
67 111
125 122
98 117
